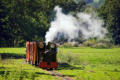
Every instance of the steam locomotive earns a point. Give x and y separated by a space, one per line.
41 54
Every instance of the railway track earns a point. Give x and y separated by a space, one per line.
59 75
44 55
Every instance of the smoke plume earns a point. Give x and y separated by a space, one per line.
67 27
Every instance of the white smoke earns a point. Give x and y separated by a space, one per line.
69 27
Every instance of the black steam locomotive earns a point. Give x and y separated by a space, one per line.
41 54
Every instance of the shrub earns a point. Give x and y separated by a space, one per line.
116 46
66 45
89 43
69 58
98 43
102 45
70 44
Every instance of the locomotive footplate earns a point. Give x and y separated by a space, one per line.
48 65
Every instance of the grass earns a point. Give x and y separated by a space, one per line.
14 67
90 63
90 55
80 63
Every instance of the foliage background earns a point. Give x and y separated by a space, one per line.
28 20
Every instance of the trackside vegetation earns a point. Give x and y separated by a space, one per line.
80 63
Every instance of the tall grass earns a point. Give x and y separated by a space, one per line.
83 63
14 67
88 56
17 75
18 69
9 71
90 63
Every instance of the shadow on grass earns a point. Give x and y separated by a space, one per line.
11 55
66 66
2 67
23 74
3 72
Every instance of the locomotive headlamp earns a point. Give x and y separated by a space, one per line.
52 46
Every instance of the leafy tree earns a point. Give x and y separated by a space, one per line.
28 20
110 12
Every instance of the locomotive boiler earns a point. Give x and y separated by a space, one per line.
41 54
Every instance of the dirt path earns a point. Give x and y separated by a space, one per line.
59 75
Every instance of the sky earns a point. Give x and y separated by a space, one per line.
95 3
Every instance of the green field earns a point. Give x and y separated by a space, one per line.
82 63
14 67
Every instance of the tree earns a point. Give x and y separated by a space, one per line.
110 12
28 20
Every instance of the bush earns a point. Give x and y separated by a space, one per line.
98 43
116 46
70 44
66 45
69 58
102 45
89 43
